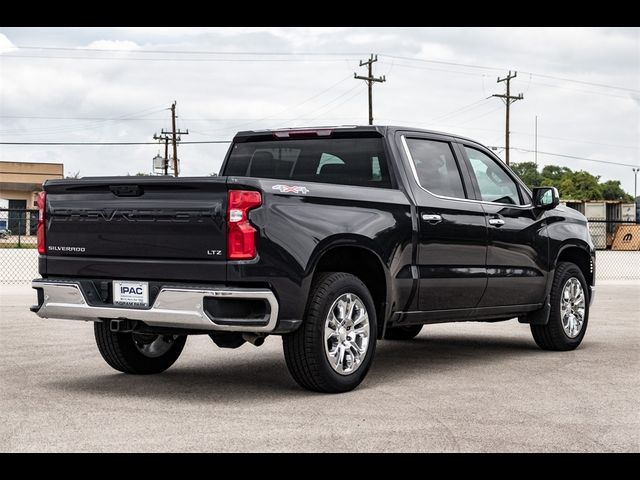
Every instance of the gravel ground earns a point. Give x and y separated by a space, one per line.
456 387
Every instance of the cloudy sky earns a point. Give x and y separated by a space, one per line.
115 85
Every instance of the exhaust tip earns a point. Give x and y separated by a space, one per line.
254 339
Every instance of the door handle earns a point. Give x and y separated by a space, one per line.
498 222
432 218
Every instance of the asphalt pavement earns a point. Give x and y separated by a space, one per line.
456 387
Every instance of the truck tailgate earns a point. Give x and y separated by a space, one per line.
125 219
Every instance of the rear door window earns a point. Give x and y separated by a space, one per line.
436 168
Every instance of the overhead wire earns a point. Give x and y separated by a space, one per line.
189 52
172 59
110 143
290 54
71 128
540 152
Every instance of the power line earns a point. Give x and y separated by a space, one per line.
483 67
589 92
458 111
40 117
571 156
293 107
440 62
108 143
229 141
593 84
62 57
478 74
90 125
350 97
189 52
573 140
289 54
474 118
95 124
327 103
431 69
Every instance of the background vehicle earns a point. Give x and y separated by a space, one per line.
331 237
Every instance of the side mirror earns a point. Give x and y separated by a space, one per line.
546 197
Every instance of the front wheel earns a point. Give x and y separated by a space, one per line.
569 314
333 349
137 353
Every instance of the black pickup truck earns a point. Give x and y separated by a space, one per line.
333 238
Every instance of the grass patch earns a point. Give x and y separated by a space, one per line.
15 245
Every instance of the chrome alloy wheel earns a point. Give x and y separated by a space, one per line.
346 334
153 346
572 307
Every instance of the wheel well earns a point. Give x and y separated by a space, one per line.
579 257
365 265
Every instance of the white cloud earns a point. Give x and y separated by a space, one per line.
6 45
124 45
218 98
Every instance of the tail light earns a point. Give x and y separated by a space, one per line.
42 207
241 236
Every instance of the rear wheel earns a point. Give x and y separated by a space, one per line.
334 347
406 332
137 353
569 311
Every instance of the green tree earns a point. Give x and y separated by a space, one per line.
611 190
554 172
528 173
572 185
580 186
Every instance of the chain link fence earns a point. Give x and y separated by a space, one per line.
618 249
18 245
19 254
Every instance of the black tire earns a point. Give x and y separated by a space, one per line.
304 349
406 332
552 335
121 353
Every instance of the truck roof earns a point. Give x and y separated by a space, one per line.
367 130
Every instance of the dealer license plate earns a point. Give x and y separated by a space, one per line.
131 294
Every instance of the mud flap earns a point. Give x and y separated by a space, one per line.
538 317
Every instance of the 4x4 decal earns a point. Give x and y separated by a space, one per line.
291 189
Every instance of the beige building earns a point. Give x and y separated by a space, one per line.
20 182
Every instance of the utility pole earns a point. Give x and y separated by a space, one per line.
508 100
166 155
635 185
175 138
166 150
370 79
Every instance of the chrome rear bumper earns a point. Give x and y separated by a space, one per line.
173 307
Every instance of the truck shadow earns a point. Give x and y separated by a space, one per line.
425 356
266 377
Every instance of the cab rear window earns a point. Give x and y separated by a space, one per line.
345 161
